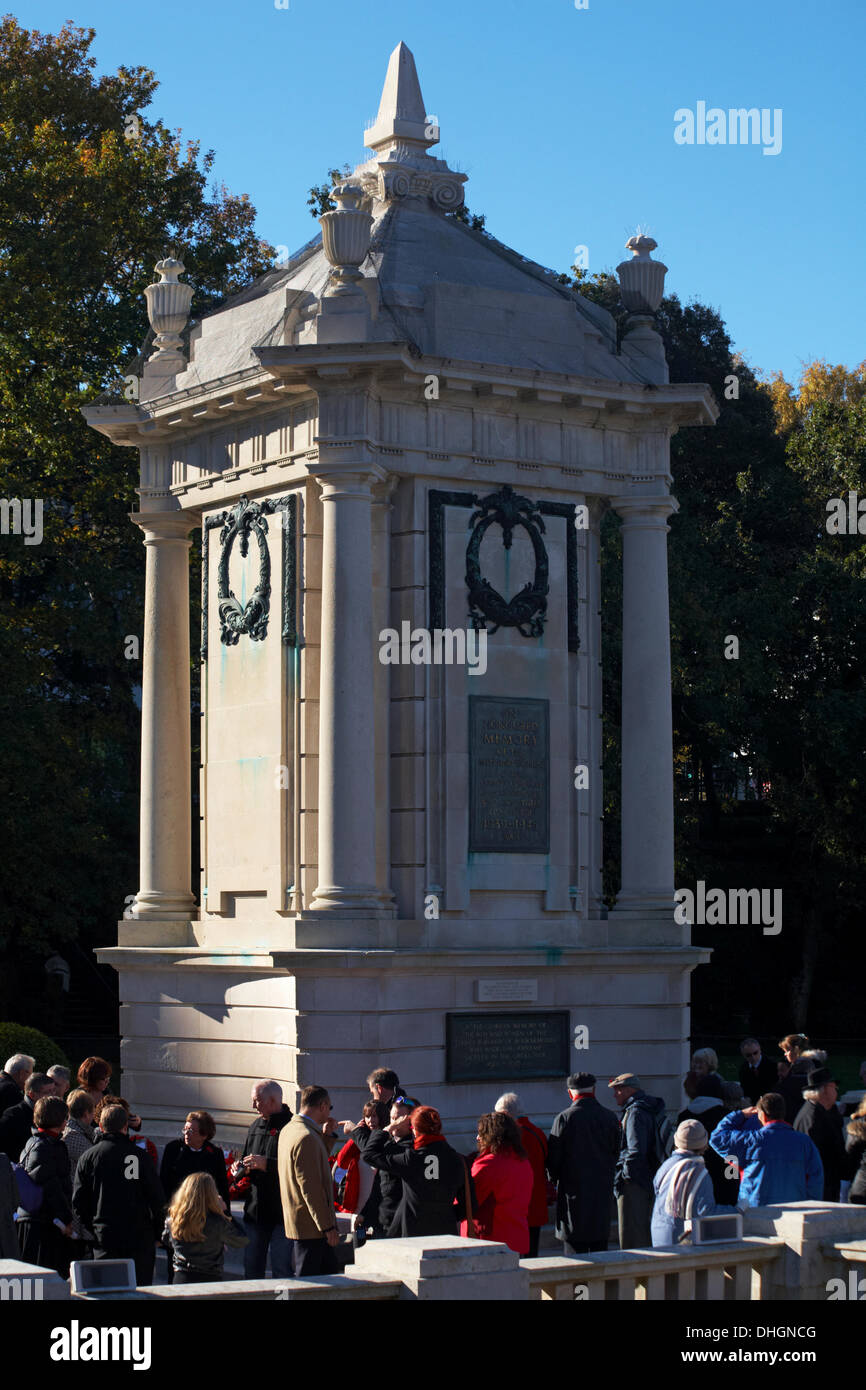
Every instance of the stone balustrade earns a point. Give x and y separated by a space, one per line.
798 1252
733 1270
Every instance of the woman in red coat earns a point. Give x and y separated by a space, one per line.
502 1175
534 1142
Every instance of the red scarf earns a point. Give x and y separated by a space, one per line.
421 1140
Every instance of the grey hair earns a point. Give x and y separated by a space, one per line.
706 1054
58 1073
746 1041
19 1062
810 1095
508 1104
270 1088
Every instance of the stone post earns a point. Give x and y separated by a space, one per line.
815 1234
446 1268
347 753
165 831
647 748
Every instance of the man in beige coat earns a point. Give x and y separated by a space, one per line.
306 1186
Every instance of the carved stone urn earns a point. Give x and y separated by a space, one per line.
168 310
642 280
346 236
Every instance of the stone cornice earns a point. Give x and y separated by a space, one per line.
674 405
290 371
635 959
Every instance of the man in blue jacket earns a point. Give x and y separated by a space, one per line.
777 1163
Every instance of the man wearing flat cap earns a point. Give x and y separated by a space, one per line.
639 1157
821 1120
581 1157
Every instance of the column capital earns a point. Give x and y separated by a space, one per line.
383 490
645 513
165 526
350 480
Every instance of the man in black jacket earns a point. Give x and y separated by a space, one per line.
639 1157
263 1210
13 1079
118 1195
390 1184
434 1175
582 1151
16 1125
820 1119
758 1074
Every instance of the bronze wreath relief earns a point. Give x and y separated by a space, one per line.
527 610
252 617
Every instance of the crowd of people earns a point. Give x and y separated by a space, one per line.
75 1182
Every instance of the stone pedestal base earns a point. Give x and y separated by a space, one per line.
203 1018
445 1267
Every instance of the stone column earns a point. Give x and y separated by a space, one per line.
592 852
347 752
382 685
165 868
647 750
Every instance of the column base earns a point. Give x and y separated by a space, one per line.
163 907
331 901
646 902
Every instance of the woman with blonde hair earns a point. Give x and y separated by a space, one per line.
197 1230
855 1147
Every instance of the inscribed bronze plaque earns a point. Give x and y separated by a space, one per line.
502 1046
509 776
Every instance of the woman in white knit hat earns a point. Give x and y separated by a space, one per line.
683 1187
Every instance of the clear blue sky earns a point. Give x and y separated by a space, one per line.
563 120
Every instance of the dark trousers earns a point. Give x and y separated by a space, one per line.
534 1236
142 1252
266 1236
634 1208
193 1276
313 1257
40 1243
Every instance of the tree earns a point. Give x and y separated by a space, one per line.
819 383
94 195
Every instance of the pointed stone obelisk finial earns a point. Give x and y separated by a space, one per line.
401 136
402 116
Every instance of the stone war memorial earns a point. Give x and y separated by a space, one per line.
398 447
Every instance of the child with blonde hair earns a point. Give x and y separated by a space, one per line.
197 1230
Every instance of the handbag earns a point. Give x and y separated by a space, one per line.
30 1194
